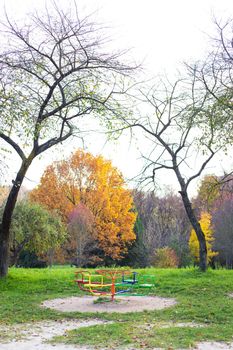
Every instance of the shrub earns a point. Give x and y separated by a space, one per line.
165 257
30 260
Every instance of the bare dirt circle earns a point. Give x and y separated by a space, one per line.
122 304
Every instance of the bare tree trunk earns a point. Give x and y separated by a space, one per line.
15 252
3 255
14 256
192 218
197 228
7 216
50 256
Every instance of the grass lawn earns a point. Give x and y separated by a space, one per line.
202 299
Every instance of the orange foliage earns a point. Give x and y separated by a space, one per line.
4 192
94 182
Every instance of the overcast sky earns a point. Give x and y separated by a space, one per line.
160 33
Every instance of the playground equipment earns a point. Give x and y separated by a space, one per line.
108 282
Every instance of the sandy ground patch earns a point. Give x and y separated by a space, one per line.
214 346
34 336
123 304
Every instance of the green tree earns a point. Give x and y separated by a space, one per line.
34 229
208 192
215 77
138 255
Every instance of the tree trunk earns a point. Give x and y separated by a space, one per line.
15 252
197 228
3 256
14 256
7 216
192 218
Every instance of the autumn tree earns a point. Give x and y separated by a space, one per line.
93 182
55 71
81 240
165 257
205 223
4 191
215 195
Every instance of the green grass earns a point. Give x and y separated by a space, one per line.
24 289
202 298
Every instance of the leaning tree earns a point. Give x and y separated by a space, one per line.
178 138
55 73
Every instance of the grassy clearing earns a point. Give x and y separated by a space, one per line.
203 299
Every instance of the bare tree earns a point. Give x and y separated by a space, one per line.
222 219
164 221
174 132
54 72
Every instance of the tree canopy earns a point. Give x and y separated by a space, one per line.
95 183
34 229
55 73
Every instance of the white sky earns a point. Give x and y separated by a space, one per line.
161 33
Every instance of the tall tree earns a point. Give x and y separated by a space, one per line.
95 183
169 127
54 71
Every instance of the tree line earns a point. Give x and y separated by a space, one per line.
82 214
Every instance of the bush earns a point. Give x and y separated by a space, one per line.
165 257
29 259
181 248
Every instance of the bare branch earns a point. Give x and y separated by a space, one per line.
14 145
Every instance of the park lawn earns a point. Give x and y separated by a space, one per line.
202 299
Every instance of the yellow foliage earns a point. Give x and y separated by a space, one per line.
205 223
4 192
94 182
